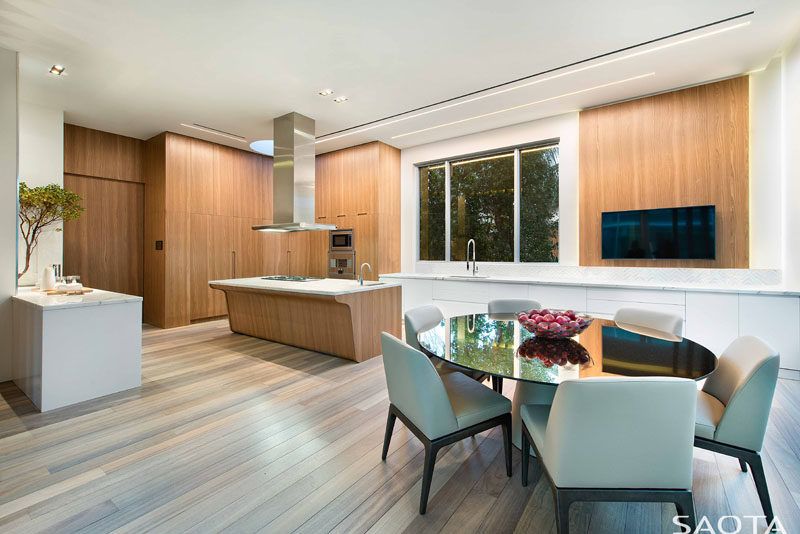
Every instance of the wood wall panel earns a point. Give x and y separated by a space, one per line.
99 154
388 190
105 245
155 228
683 148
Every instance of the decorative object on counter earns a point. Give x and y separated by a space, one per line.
554 351
70 288
554 324
48 279
41 208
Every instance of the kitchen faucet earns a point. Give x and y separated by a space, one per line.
361 273
474 264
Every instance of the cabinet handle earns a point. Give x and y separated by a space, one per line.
233 254
343 215
363 213
322 217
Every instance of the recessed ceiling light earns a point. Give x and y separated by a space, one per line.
265 146
340 99
57 70
549 99
326 92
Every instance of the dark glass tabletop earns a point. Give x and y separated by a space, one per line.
489 344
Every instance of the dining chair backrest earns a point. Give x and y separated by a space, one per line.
621 433
658 321
513 305
744 381
416 389
420 319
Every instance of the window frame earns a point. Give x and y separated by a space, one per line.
448 162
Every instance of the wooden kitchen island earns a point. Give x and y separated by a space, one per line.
339 317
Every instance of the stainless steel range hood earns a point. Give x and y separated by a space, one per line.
293 177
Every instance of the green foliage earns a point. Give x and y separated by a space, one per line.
538 217
431 213
482 208
40 208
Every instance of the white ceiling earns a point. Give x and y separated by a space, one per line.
141 67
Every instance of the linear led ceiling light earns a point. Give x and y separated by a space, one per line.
545 79
542 101
214 131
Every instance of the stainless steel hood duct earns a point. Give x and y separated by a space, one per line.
293 180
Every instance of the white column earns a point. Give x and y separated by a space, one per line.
8 203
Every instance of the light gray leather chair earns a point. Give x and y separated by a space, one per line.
650 323
439 410
424 318
734 404
615 439
512 307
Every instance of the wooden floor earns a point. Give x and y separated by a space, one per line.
231 433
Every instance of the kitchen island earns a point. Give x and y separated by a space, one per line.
338 317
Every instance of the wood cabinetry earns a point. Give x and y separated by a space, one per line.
307 253
359 188
202 200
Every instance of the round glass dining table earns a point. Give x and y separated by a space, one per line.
489 344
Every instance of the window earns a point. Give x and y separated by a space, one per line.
538 196
474 198
431 212
482 207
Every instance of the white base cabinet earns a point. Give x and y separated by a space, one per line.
713 319
776 320
67 350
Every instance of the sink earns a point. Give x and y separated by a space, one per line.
468 276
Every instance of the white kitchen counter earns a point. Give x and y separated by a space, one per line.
755 290
73 348
97 297
326 286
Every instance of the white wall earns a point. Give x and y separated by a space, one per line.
766 168
774 190
791 165
8 202
41 162
564 127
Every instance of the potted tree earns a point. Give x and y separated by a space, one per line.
41 208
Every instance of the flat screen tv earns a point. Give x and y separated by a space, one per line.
686 233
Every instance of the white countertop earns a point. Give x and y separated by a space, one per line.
758 290
325 286
97 297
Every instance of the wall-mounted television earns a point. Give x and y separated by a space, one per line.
684 233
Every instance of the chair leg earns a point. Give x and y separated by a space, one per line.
684 506
761 486
388 436
507 442
526 457
743 465
427 476
562 503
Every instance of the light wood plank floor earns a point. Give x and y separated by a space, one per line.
235 434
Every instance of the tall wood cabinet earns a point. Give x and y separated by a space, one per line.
359 188
201 201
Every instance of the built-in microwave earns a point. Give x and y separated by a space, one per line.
342 240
